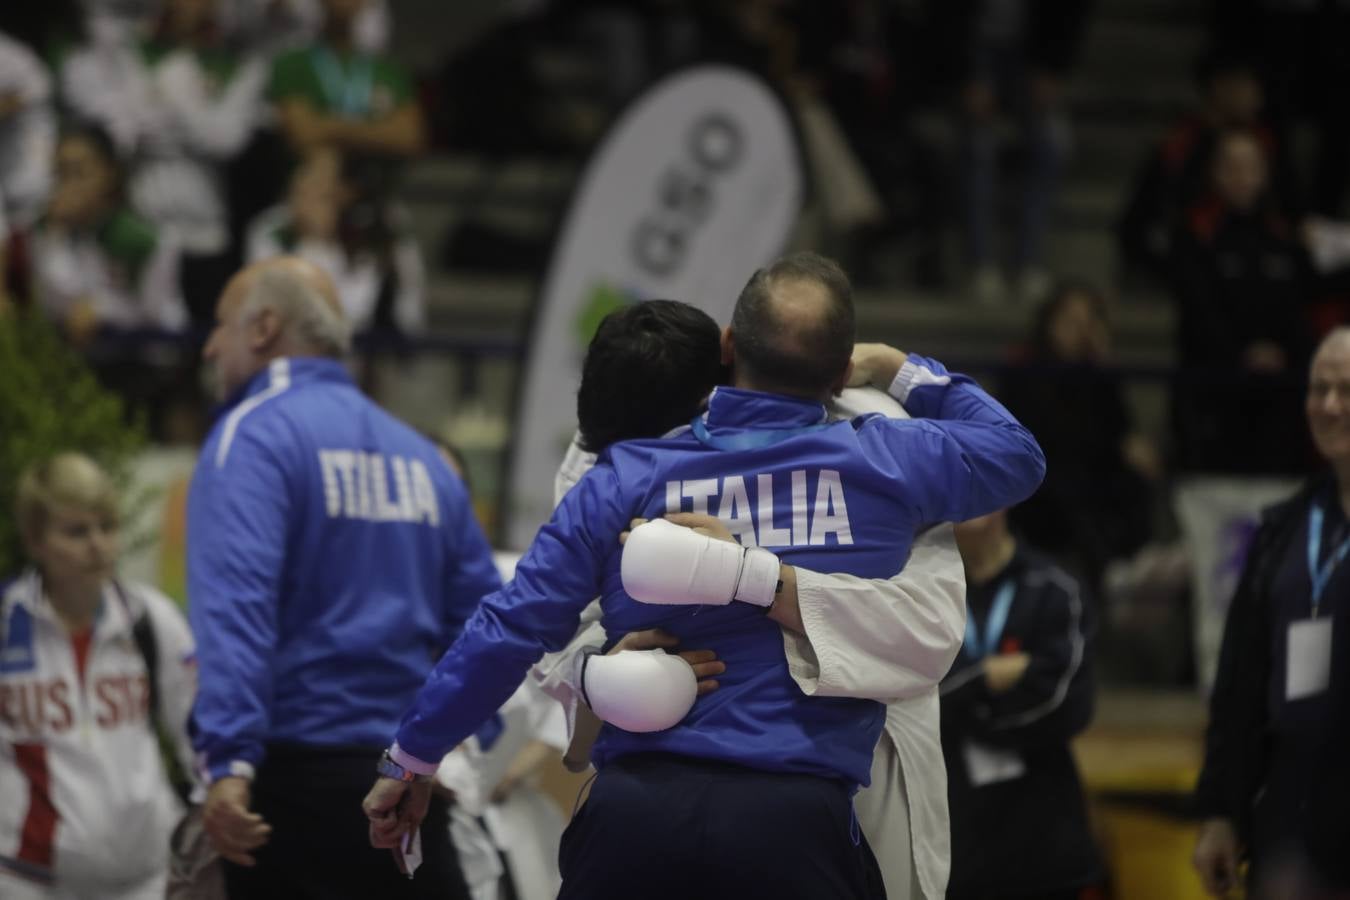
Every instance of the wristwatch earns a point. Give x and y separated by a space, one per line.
387 768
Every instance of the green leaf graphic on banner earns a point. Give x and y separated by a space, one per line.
604 300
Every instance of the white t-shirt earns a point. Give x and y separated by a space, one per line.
77 267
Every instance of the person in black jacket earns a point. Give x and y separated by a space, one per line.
1275 785
1242 278
1175 175
1096 502
1021 687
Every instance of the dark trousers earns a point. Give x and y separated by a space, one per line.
320 844
657 826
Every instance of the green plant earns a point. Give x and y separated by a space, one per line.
50 401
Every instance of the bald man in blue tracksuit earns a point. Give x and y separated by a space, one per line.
750 794
332 557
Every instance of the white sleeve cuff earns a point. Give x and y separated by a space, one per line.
912 375
758 582
412 763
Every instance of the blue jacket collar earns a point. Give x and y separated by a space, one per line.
730 407
289 370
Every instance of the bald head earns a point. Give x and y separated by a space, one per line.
1328 401
792 330
284 306
292 269
305 301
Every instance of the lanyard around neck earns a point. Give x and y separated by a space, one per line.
1321 574
348 92
993 624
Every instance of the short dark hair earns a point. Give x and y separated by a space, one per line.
794 360
647 371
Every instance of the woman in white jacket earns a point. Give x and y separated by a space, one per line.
91 668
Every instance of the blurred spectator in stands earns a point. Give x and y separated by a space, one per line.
1176 174
1302 45
634 43
1019 691
1096 502
95 261
1275 786
210 102
27 140
1241 277
859 59
181 106
1019 54
339 218
106 78
759 35
824 59
122 21
335 95
27 133
273 26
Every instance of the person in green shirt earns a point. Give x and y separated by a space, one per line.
95 261
334 95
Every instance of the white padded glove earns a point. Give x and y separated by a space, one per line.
664 563
639 690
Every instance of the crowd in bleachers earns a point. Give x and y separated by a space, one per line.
150 148
147 149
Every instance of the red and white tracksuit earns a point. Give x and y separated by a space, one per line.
87 807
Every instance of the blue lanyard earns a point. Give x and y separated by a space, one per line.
748 440
993 626
1320 575
348 93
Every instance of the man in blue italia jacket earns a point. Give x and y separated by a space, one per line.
332 558
751 791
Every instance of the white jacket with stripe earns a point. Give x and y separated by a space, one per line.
87 804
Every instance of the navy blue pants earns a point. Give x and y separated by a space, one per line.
658 826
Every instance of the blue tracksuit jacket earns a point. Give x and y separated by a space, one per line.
842 497
332 558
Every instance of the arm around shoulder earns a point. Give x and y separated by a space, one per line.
970 457
882 639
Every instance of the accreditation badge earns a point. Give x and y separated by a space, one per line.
987 765
1309 669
